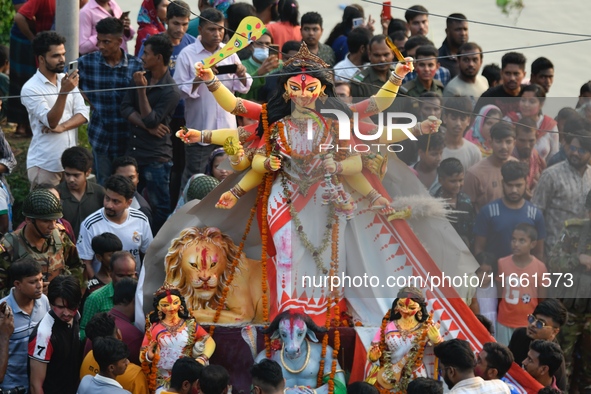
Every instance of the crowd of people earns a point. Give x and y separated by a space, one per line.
516 181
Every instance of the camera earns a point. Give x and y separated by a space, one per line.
16 390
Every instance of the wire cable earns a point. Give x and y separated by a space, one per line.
484 23
280 74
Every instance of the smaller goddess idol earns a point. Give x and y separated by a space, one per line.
171 333
397 349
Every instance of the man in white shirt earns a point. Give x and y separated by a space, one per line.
468 83
54 117
201 110
357 42
130 225
111 355
456 365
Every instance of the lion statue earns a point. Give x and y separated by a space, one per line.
198 262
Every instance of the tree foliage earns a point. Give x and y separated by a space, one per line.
510 6
6 20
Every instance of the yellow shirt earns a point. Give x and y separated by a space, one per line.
133 380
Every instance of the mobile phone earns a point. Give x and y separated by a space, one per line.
387 10
227 69
72 66
273 49
357 22
125 14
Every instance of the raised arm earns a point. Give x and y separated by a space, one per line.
387 93
224 97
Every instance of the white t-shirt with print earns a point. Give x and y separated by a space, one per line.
135 234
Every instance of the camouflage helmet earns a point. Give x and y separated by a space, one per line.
200 186
42 204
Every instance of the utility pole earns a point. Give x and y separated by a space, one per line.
67 22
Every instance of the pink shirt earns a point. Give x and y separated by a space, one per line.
90 14
283 32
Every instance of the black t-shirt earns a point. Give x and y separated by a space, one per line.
519 346
499 97
57 344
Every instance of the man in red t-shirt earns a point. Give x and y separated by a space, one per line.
35 16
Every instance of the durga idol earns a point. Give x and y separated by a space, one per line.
311 200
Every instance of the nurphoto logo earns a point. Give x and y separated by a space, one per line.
387 121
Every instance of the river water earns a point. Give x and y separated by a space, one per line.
571 61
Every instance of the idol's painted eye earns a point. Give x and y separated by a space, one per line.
294 88
312 88
237 44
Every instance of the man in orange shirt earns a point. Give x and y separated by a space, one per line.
102 325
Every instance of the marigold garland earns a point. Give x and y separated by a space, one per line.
150 369
281 132
335 354
232 270
408 369
266 191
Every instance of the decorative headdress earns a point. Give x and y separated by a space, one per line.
410 292
305 58
165 289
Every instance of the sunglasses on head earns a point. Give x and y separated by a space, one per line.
531 319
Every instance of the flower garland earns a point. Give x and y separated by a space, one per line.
335 355
320 375
232 270
281 132
416 353
268 183
150 369
334 266
382 345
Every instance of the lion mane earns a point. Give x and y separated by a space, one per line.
175 275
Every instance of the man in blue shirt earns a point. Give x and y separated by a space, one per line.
29 305
102 75
496 221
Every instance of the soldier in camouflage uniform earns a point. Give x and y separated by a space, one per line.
41 238
571 256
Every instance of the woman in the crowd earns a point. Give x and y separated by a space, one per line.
213 169
150 19
479 133
530 105
288 27
338 36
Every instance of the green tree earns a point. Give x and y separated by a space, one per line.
6 20
510 6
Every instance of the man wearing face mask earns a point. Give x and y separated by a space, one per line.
40 239
263 61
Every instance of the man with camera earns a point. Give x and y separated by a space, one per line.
56 109
202 112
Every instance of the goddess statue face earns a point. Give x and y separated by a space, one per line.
304 89
170 306
407 307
